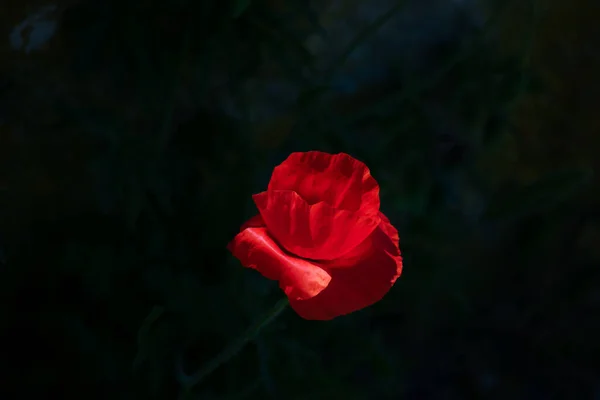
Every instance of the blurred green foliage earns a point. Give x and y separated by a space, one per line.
124 174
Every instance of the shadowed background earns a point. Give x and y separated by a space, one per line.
133 134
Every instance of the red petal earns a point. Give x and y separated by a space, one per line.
254 222
337 179
317 231
298 278
375 266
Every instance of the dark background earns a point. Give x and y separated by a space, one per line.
133 134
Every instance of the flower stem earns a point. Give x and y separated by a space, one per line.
189 381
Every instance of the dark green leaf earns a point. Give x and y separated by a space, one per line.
143 334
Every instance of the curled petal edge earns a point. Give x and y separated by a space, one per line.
317 231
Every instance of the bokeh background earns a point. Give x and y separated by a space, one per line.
133 133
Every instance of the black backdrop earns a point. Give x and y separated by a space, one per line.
132 139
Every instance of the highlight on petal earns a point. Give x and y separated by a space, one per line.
376 264
339 180
299 279
317 231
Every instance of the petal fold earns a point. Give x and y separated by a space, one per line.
317 231
339 180
299 279
376 264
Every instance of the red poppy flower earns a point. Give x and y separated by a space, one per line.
320 233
